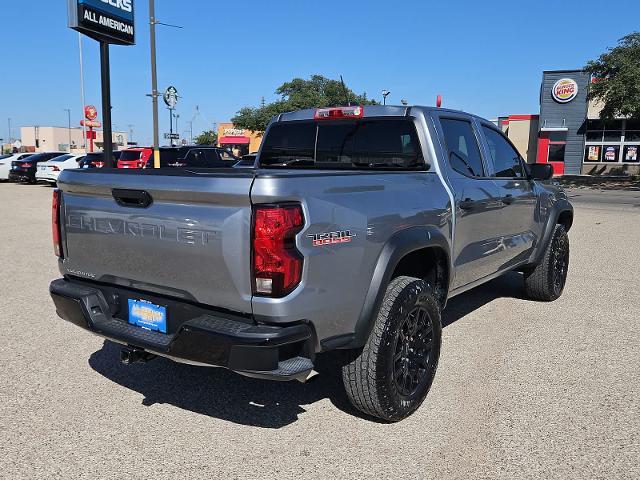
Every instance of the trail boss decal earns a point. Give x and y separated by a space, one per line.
331 238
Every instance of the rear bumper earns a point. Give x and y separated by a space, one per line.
46 177
21 177
212 338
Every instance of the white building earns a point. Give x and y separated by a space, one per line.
44 139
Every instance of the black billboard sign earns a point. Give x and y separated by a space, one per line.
110 21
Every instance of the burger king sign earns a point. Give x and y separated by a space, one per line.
564 90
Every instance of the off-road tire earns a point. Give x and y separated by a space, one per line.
375 377
546 281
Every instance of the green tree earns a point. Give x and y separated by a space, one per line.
208 137
618 87
297 94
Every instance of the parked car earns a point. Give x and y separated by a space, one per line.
5 163
138 157
50 170
96 159
353 232
25 170
195 156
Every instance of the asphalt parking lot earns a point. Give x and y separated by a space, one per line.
524 389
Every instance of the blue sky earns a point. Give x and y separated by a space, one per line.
483 57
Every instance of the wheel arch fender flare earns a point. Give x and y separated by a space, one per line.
560 208
397 247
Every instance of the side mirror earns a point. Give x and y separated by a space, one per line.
540 171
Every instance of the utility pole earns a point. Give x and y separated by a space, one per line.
9 139
130 132
154 83
177 116
68 110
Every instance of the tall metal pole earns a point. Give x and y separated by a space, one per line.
69 126
84 127
107 137
171 127
9 140
154 83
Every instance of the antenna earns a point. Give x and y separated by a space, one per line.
346 94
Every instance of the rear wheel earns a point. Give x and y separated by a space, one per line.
547 280
392 374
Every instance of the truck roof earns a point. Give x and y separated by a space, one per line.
372 111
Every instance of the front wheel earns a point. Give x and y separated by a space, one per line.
392 374
547 280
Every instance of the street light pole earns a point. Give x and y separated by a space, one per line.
154 83
384 96
68 110
9 138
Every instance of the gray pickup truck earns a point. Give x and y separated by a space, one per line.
351 232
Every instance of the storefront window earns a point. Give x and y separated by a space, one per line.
595 136
610 153
556 152
632 136
612 135
592 153
630 153
605 141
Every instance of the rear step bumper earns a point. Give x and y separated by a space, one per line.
263 351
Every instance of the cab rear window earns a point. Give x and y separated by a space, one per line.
388 143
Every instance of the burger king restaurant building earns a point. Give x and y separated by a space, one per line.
569 134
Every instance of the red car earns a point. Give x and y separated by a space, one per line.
136 158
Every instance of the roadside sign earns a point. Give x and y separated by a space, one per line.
172 136
90 112
171 97
90 123
109 21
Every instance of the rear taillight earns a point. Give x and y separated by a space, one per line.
55 223
277 264
55 169
27 165
98 164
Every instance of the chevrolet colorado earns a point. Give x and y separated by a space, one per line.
351 232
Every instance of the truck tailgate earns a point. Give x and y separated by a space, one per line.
191 241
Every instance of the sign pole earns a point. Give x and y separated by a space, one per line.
106 105
171 126
154 83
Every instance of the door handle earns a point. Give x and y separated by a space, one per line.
508 199
132 198
466 204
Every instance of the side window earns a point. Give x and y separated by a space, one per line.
227 157
211 158
464 153
505 158
195 158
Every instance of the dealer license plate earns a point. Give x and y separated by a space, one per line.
148 315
